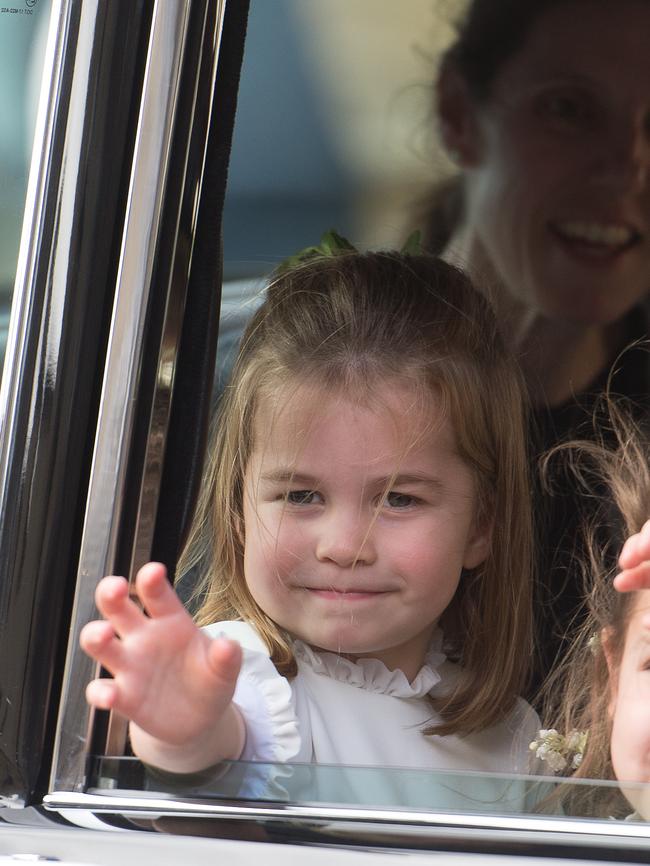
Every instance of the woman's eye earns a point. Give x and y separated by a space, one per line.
570 109
399 500
303 497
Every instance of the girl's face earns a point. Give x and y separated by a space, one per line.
358 521
630 707
556 162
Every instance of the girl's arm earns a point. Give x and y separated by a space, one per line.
635 562
171 681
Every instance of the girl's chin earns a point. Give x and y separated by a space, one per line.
639 798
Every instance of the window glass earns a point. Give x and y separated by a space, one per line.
377 788
335 129
23 25
333 125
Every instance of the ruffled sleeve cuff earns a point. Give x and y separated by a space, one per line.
263 697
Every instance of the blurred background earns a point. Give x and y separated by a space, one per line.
22 34
333 129
333 125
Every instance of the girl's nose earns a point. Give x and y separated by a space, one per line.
345 542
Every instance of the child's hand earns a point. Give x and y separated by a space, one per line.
170 679
635 562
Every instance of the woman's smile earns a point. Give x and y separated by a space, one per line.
557 164
596 243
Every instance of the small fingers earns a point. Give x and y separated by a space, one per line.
631 579
224 657
99 641
102 694
114 604
155 592
636 549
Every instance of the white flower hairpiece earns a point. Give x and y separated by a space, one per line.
560 752
593 644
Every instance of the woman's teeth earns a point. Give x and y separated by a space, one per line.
611 235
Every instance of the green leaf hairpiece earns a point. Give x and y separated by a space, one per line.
334 244
413 244
331 244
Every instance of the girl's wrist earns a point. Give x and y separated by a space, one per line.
224 742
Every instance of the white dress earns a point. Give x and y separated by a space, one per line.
362 715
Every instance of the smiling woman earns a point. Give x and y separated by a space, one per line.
548 120
557 143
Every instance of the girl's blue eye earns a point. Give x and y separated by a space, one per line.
302 497
399 500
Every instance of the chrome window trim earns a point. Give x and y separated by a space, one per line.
66 279
121 379
185 228
361 824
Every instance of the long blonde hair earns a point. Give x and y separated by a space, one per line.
348 321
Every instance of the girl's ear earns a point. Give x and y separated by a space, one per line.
612 668
479 543
457 117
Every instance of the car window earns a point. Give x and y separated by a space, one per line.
22 34
322 142
377 805
334 129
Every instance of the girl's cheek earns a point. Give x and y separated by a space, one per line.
289 541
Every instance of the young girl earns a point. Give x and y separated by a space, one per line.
366 526
601 692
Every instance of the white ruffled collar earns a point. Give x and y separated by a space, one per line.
372 674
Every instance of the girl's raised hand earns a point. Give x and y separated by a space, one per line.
635 562
170 679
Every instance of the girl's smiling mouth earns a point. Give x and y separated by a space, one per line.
346 594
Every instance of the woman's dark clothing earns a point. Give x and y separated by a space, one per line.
561 515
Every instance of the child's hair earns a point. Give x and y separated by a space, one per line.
344 323
614 470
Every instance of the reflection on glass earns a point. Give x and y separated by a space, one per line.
386 788
543 110
23 25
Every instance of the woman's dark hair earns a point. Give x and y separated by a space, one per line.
489 33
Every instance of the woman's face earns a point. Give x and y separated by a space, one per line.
556 163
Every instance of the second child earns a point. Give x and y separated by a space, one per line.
600 693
